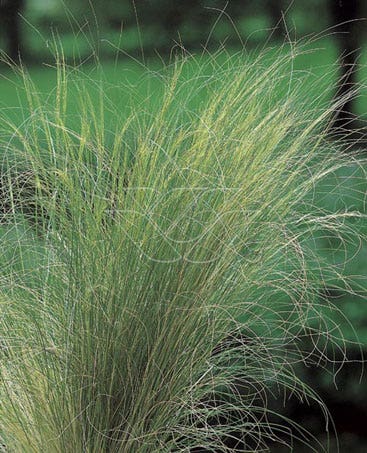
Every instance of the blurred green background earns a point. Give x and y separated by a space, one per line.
133 39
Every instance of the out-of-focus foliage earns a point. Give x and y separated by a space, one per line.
190 22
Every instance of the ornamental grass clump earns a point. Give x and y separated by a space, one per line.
158 275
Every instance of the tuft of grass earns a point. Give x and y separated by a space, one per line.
158 274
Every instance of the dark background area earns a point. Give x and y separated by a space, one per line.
151 29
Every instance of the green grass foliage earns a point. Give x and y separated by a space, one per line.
159 270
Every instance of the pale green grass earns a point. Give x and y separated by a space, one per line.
172 278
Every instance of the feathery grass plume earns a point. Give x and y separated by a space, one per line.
157 276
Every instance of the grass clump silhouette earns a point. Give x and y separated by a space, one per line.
156 277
